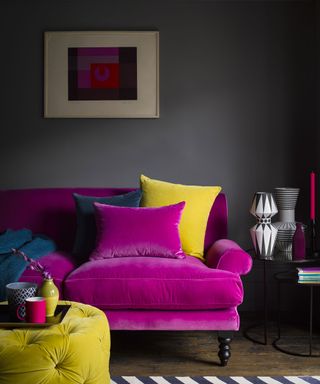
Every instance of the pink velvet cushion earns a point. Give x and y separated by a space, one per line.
153 283
127 232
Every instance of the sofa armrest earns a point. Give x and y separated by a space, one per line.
226 254
60 264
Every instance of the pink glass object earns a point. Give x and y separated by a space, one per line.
35 310
298 243
312 196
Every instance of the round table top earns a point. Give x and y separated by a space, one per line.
285 258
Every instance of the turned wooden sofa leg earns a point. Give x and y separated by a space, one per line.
224 338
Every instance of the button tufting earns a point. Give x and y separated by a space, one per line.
74 329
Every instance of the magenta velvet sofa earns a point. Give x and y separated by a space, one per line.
137 293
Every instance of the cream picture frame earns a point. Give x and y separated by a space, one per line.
57 102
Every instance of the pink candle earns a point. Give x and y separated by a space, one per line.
312 196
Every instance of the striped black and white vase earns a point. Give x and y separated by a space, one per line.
286 199
263 234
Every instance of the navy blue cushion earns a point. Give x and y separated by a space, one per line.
86 225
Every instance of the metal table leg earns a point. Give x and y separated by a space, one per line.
265 316
265 298
311 320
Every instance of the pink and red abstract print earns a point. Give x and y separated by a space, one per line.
102 73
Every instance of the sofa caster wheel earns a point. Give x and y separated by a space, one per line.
224 348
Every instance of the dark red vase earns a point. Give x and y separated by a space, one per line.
298 243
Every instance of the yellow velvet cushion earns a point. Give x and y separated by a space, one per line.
74 351
195 215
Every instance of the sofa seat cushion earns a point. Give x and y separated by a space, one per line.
153 283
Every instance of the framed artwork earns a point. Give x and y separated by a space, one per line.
101 74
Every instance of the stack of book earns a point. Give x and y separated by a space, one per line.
309 275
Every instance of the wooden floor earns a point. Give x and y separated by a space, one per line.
195 354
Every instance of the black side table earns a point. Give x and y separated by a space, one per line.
290 277
278 258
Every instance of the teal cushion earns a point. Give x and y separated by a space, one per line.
86 225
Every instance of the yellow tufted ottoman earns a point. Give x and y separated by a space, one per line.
75 351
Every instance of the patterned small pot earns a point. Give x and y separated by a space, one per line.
17 293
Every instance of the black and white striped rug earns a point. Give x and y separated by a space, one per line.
215 380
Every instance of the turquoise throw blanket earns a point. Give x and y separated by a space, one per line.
12 266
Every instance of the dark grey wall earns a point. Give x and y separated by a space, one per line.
318 81
237 100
